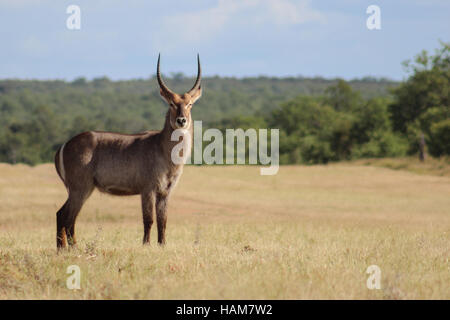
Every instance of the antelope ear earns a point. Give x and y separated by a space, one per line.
197 95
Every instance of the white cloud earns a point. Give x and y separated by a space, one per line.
196 26
287 12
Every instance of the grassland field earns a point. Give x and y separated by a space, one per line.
309 232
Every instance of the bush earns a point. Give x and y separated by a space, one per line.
439 141
382 144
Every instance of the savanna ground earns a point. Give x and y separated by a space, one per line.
308 232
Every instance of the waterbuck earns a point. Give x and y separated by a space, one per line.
127 164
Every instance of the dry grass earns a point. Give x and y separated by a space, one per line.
431 166
306 233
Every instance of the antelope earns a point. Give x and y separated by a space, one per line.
127 164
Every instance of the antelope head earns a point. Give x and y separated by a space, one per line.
180 105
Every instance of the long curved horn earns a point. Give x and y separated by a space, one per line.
199 77
162 85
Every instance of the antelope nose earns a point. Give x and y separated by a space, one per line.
181 121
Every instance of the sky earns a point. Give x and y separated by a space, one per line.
121 39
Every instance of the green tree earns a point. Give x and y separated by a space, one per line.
342 97
424 98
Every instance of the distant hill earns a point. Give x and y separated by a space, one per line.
136 103
36 117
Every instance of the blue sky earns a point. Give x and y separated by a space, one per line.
121 39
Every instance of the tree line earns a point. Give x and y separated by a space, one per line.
320 120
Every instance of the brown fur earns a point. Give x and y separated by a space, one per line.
123 164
